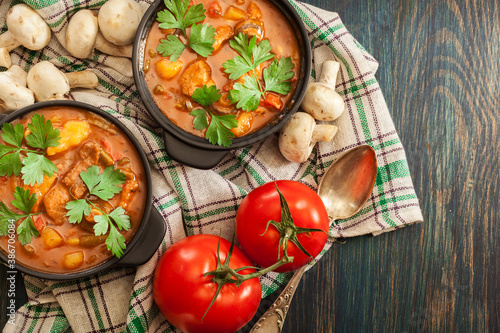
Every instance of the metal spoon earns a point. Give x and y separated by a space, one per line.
345 188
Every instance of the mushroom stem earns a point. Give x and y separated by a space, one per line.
8 42
83 79
324 132
5 60
329 72
105 46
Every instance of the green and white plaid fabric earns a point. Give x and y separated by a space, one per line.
121 299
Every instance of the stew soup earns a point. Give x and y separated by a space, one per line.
87 140
173 85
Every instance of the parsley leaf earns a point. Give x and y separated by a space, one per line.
115 241
200 121
206 95
218 130
247 96
277 74
35 166
42 135
24 201
77 209
179 15
26 230
104 185
13 134
252 55
202 39
172 46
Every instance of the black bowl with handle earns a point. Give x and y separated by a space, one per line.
198 152
151 230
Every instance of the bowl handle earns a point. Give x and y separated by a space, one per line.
190 155
148 242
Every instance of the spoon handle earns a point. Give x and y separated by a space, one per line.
273 319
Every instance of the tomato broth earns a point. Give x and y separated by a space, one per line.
60 239
176 105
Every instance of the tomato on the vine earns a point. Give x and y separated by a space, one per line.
260 240
183 290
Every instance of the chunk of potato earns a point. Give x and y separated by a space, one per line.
167 69
234 14
245 120
253 11
51 238
73 260
40 189
72 134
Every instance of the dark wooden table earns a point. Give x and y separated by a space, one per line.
440 74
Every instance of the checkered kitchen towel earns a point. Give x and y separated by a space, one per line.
121 298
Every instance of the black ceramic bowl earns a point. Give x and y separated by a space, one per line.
198 152
150 232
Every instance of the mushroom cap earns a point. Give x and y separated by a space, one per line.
47 82
295 137
81 34
322 102
118 21
28 27
13 96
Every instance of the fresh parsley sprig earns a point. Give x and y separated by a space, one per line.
219 129
24 201
179 15
247 95
105 186
34 165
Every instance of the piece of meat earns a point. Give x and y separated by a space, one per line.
196 75
89 155
128 191
55 201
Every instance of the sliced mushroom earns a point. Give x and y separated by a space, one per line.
118 21
28 27
300 134
251 28
13 93
81 34
321 100
49 83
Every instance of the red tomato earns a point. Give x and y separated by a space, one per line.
183 294
262 205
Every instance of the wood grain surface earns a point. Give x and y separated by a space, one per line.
439 72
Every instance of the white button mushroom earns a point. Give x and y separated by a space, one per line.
118 21
321 100
81 34
13 92
49 83
300 134
28 27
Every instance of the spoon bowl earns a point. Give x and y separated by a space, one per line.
348 182
344 189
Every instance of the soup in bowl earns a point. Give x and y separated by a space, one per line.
220 75
75 191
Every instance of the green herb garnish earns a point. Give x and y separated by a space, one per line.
24 201
179 15
104 186
218 130
34 165
276 75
